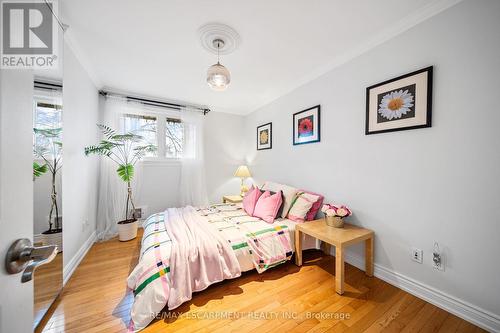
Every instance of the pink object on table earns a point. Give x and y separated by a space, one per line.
250 200
267 206
311 214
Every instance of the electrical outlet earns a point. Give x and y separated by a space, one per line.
437 258
140 212
437 262
417 255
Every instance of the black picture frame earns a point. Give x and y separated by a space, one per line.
427 105
270 136
294 125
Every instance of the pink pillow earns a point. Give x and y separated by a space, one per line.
268 205
311 214
250 200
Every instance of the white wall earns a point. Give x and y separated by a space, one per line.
159 187
79 174
411 187
223 154
16 192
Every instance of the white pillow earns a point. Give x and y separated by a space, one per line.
301 205
288 194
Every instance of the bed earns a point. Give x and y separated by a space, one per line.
184 250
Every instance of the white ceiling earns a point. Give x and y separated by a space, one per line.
152 47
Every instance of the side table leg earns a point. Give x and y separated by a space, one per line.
369 256
298 247
339 270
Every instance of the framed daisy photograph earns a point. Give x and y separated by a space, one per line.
306 126
265 136
402 103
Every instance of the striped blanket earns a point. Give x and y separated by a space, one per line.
255 244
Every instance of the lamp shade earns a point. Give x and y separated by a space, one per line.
218 77
242 172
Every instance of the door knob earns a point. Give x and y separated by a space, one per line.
23 256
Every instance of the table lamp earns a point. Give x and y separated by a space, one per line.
243 173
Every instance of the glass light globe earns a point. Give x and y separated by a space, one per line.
218 77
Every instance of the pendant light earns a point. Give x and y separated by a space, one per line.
218 76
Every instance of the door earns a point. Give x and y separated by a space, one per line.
16 193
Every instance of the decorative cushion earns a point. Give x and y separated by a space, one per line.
288 194
280 210
267 206
311 214
301 206
250 200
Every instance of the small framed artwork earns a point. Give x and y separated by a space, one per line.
265 136
402 103
306 126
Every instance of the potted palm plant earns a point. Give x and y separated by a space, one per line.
125 150
49 149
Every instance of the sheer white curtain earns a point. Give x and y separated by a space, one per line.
112 190
193 188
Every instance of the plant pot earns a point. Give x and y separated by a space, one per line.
127 230
334 221
53 237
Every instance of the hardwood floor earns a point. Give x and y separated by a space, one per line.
47 282
293 299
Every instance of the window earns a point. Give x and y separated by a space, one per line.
47 115
166 133
142 125
174 138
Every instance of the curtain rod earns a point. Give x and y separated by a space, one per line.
47 85
152 102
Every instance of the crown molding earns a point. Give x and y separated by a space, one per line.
396 29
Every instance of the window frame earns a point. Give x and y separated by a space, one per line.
138 115
161 122
165 134
53 98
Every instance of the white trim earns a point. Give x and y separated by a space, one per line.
70 268
476 315
396 29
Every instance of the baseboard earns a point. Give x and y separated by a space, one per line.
458 307
69 269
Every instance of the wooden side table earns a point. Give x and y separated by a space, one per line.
340 238
232 199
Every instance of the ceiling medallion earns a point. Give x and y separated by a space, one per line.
218 39
212 31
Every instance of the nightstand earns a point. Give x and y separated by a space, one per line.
232 199
341 238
